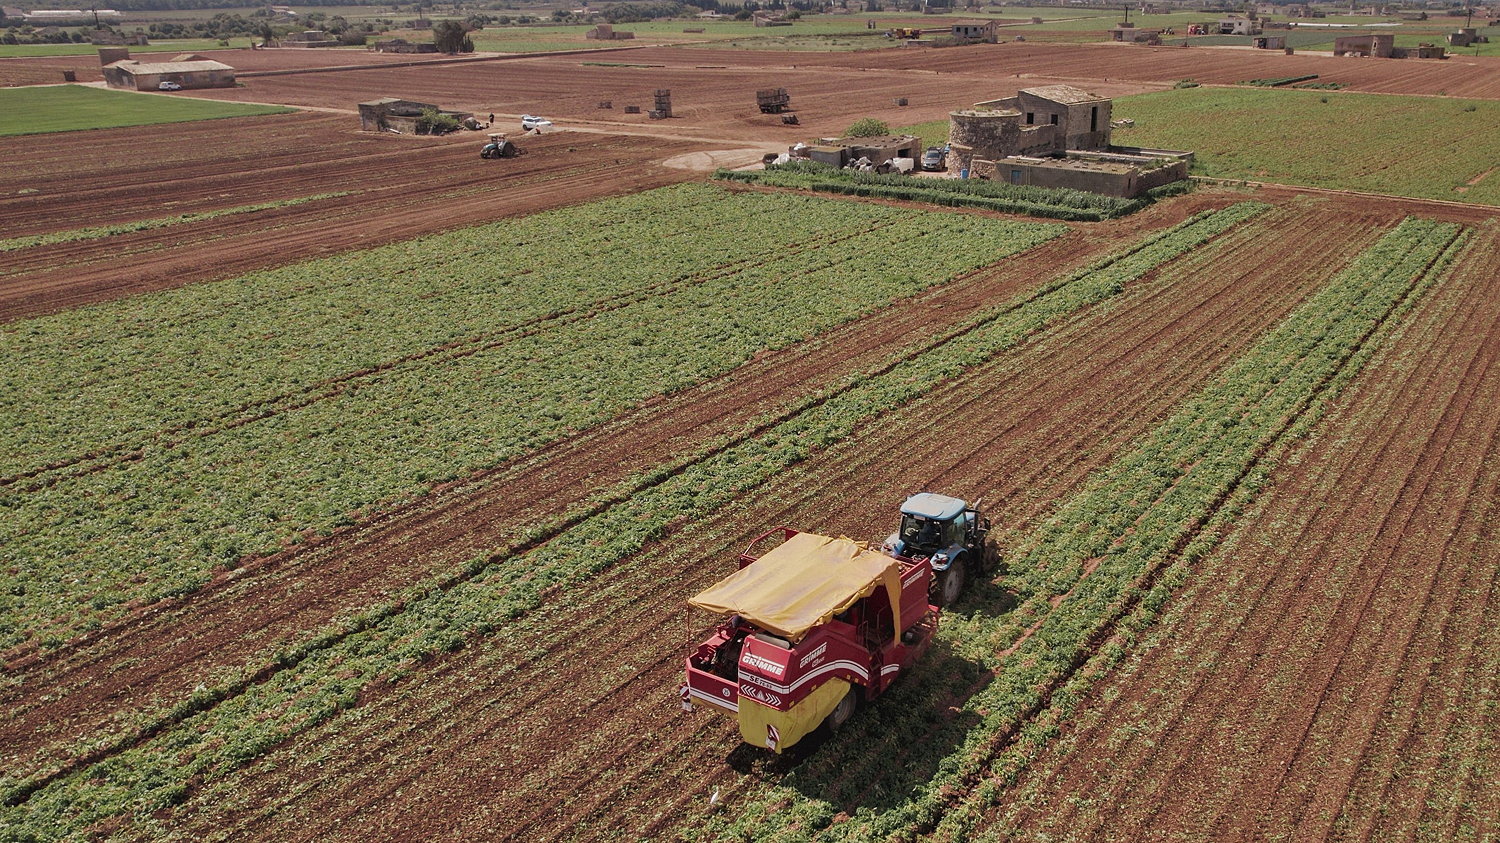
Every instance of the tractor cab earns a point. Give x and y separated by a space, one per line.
499 147
947 531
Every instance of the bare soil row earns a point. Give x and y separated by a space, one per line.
396 188
1329 674
243 619
579 695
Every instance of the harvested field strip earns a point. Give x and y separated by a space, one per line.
150 262
1091 563
76 234
1146 349
1364 726
249 488
266 607
490 593
76 254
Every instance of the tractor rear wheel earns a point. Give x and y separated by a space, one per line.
842 712
949 585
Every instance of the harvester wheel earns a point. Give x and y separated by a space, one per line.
842 712
950 583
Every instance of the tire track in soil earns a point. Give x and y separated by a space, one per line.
1253 644
576 634
155 658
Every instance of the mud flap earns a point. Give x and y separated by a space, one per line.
763 726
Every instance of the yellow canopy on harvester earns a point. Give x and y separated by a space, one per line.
804 582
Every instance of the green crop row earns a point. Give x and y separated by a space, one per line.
74 235
114 375
158 519
219 730
1091 564
1279 81
1051 203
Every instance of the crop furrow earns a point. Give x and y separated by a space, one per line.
388 642
262 409
1331 370
1151 507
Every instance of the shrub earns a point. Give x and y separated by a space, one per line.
867 127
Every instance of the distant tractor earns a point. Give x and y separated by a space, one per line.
499 147
815 624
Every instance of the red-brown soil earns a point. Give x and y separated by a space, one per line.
398 188
1325 676
48 69
474 742
242 620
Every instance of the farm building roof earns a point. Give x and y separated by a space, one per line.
143 68
1066 94
802 583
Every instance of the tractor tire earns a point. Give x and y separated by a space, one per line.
484 153
843 711
948 585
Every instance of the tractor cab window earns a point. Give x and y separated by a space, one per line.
957 529
920 531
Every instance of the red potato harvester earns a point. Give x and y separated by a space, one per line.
817 624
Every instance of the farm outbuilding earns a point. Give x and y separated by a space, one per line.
148 76
987 31
1236 25
843 151
1380 46
392 114
1126 176
1036 121
1269 42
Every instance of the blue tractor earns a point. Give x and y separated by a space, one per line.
499 147
953 534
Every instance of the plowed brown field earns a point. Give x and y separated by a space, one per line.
1325 676
1329 672
394 188
565 726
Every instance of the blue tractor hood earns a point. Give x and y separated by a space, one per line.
933 506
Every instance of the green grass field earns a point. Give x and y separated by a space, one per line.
68 108
188 45
1423 147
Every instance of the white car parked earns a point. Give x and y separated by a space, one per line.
168 86
529 122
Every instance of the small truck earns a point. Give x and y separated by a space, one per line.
815 625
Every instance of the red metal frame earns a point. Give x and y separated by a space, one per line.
858 646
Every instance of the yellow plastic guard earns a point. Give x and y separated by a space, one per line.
757 721
803 582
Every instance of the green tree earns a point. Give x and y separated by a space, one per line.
867 127
450 37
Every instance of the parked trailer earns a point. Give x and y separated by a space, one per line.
773 100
